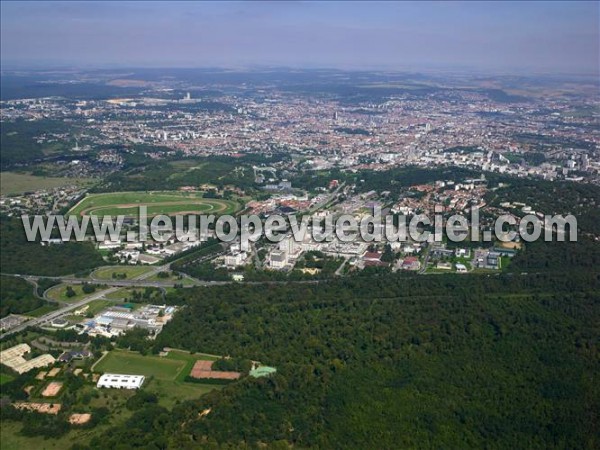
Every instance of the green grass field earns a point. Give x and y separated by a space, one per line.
168 373
17 183
105 273
11 439
120 294
45 309
5 378
118 361
95 306
172 279
59 293
169 203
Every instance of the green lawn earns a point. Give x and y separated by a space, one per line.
42 310
189 359
120 294
124 293
172 202
95 306
119 361
175 207
17 183
172 279
10 439
169 392
105 273
128 295
168 373
5 378
59 293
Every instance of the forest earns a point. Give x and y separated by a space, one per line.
17 255
16 296
389 361
143 174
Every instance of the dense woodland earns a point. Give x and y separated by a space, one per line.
142 174
16 296
19 145
581 200
390 361
17 255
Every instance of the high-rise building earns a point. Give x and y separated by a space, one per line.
585 162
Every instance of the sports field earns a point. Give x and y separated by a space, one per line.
134 363
168 373
168 203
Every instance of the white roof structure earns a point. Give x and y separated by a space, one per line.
13 358
461 267
10 353
120 381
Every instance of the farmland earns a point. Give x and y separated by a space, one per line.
168 203
18 183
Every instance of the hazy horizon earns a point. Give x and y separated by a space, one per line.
531 37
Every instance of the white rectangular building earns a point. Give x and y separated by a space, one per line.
120 381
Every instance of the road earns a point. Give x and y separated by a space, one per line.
327 200
425 260
73 306
340 269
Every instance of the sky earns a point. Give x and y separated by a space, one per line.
508 37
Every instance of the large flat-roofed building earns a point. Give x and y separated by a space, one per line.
278 259
13 358
10 353
120 381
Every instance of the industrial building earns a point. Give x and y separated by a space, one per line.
13 358
120 381
117 320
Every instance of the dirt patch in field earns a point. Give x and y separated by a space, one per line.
44 408
53 372
52 389
79 419
203 369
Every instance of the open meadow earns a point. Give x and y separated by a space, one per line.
130 272
14 183
59 293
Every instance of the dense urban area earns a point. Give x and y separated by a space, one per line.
299 343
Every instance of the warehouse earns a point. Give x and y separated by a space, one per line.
119 381
13 358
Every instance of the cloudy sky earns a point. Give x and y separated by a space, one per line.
498 36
